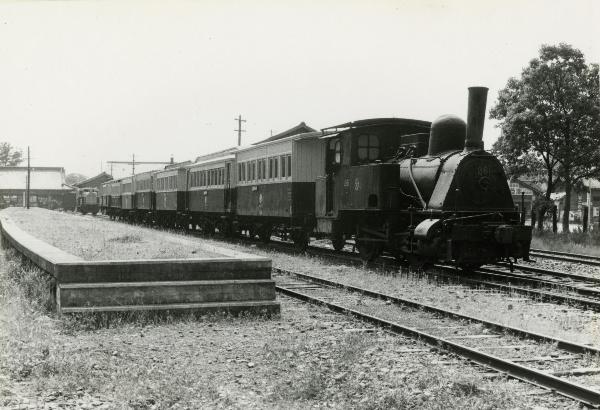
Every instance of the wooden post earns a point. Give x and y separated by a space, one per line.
540 220
522 208
533 215
28 187
554 219
585 218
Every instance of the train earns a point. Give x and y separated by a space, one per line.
87 200
424 192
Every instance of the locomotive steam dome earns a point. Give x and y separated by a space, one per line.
447 134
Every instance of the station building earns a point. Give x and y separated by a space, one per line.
587 196
94 182
47 189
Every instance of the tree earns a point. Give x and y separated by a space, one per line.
74 178
9 156
550 120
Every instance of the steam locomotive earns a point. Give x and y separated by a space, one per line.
423 192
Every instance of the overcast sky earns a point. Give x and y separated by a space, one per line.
85 82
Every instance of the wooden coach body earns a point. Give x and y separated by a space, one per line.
127 203
169 187
211 186
143 194
275 179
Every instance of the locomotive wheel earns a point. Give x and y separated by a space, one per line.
338 240
369 251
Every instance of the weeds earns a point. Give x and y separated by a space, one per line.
576 241
129 238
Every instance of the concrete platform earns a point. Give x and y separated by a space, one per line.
235 282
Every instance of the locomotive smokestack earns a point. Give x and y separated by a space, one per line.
476 117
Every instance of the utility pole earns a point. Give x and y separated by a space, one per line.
133 162
28 178
239 130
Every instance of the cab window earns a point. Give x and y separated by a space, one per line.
367 148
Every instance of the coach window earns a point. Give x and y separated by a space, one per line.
275 167
283 166
368 148
289 165
270 168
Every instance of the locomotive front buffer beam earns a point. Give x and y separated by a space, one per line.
471 244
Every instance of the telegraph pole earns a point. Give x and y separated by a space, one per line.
239 130
133 162
28 179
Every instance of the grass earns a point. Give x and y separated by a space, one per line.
302 359
99 239
573 242
344 374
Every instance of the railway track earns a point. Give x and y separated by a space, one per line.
561 366
566 257
539 284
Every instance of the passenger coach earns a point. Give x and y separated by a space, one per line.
169 188
143 197
210 201
276 186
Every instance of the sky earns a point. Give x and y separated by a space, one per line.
86 82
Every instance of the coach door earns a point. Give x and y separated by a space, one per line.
227 193
333 161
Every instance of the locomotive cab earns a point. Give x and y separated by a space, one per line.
361 175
